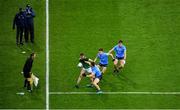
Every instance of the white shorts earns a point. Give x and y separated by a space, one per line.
88 70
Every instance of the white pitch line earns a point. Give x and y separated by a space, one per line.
47 54
116 93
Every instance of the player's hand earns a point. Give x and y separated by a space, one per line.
113 59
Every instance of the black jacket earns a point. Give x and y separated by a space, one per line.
29 13
28 66
19 20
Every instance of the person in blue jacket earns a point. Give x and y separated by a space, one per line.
29 13
19 22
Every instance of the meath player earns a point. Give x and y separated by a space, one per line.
120 51
96 75
86 69
103 59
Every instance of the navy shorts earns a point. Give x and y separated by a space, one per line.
119 58
103 65
99 77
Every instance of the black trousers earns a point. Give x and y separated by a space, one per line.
29 30
19 34
26 82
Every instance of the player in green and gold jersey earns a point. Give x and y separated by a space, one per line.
85 68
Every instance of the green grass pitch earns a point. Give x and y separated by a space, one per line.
150 30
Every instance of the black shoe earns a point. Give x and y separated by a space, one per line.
76 86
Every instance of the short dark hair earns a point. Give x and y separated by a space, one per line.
120 41
100 49
93 63
81 54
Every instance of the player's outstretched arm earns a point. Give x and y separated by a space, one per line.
95 59
112 56
14 22
90 60
110 51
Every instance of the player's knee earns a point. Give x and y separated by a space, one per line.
115 64
123 62
115 61
94 83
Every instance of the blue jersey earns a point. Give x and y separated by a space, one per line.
119 51
96 71
29 13
103 57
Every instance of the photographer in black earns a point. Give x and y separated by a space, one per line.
28 82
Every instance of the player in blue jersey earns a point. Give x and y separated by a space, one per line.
103 59
120 52
96 75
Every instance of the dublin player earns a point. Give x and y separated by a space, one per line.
103 59
96 75
120 51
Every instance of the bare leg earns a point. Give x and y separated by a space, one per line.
122 62
95 83
80 76
115 65
104 69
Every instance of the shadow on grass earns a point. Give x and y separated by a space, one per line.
126 80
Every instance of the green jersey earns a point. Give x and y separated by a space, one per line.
84 64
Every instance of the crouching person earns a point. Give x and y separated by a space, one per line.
28 82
